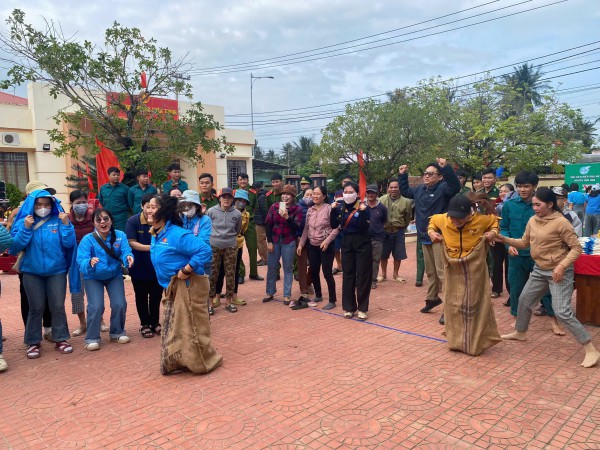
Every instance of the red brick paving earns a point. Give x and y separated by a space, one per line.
304 379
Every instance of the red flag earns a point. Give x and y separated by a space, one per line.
143 81
105 159
91 195
362 179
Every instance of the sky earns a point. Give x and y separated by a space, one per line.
227 41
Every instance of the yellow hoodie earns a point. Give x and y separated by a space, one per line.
552 240
460 242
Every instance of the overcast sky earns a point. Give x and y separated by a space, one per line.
232 33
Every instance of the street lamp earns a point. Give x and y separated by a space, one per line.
252 78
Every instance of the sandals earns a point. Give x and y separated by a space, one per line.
231 308
216 302
33 352
63 347
146 331
400 280
211 311
286 301
239 302
157 329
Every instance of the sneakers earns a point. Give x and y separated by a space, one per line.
430 304
121 340
362 315
3 364
92 346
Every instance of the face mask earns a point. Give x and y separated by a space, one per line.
80 210
308 201
190 212
42 212
241 205
350 198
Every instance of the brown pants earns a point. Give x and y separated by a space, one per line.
434 268
261 242
304 276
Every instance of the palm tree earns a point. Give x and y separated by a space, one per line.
522 89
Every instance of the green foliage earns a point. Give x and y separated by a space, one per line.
103 83
472 125
13 195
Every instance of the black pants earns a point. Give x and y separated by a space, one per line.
46 318
221 277
322 260
357 255
148 294
500 268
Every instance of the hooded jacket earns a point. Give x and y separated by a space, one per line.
49 250
107 267
551 239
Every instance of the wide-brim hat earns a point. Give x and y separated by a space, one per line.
34 185
190 196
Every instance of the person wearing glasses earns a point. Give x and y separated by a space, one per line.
440 184
101 256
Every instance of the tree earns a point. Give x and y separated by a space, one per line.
522 89
105 86
388 133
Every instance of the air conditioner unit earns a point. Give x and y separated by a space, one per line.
10 138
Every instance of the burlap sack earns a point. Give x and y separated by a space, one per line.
185 340
468 310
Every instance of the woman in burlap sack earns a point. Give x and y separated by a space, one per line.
469 315
179 259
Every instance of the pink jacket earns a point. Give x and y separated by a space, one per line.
317 228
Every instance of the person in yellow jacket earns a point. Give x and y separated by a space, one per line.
468 313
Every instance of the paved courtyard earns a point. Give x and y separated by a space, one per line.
305 379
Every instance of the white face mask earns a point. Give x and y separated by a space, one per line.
191 212
42 212
350 198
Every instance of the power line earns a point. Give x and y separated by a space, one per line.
438 82
345 42
294 60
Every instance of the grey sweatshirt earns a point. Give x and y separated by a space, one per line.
225 226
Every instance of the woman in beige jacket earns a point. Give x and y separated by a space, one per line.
554 248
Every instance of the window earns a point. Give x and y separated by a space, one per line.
234 167
14 169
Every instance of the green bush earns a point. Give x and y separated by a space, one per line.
14 195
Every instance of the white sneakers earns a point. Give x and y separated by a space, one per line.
122 340
3 364
92 346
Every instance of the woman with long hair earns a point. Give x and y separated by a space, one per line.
101 256
351 216
319 234
554 248
81 218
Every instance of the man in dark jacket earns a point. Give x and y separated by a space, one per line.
260 214
440 184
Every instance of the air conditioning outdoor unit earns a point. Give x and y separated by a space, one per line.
10 138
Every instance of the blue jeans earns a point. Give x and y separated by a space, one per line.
37 289
95 307
286 252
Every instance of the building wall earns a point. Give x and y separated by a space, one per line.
32 123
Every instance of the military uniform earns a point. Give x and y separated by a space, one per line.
272 198
115 199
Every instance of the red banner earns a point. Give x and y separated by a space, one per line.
105 159
362 178
157 105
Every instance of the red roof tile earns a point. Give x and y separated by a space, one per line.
9 99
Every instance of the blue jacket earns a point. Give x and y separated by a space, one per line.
5 239
204 227
49 250
430 200
108 267
172 248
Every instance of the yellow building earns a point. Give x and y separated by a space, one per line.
26 150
